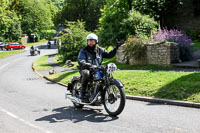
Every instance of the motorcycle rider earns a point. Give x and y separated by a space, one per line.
33 50
92 56
32 47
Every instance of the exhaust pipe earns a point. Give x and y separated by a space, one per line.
78 101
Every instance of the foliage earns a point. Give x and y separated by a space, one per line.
73 39
110 22
193 34
178 36
35 16
117 22
136 24
196 45
135 47
155 8
10 26
47 34
84 10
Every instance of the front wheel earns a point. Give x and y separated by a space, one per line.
114 100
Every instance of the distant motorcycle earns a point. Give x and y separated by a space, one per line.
34 51
102 89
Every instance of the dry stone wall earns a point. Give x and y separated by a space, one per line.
163 54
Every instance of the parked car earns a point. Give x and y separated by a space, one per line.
2 45
14 45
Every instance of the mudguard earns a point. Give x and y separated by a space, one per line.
118 82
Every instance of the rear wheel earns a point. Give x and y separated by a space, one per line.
76 93
114 100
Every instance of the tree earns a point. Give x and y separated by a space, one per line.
110 22
10 26
84 10
34 16
156 8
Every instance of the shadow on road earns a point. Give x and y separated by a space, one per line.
76 115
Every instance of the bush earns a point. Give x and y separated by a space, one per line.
138 24
73 39
193 34
128 23
177 36
135 47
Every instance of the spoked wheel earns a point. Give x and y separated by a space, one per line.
115 99
75 92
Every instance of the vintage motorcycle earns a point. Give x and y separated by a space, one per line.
102 89
34 51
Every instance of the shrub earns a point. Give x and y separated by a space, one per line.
177 36
135 47
193 34
73 39
128 23
138 24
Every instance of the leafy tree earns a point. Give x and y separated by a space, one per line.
84 10
34 16
73 39
110 22
156 8
10 26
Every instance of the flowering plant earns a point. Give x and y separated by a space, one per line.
178 36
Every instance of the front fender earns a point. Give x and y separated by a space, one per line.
117 82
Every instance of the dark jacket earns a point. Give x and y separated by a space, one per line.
94 57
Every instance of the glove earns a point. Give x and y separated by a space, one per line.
119 43
87 65
93 66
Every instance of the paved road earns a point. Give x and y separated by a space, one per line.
31 104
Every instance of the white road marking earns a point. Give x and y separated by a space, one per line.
27 123
1 67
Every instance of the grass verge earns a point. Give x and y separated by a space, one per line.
41 64
9 53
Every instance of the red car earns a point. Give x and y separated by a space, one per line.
14 45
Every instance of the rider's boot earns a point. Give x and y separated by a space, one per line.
83 97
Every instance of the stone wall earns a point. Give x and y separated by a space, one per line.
163 54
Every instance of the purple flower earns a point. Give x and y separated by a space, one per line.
178 36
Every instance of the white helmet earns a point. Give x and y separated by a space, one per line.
92 36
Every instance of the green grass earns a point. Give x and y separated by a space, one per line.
9 53
173 85
61 63
41 64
